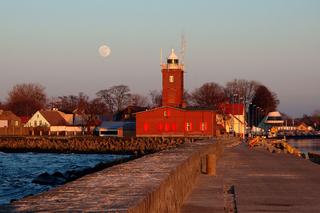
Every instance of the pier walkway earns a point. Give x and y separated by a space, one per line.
255 180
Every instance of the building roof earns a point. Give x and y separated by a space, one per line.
172 55
274 118
198 108
179 108
54 118
234 109
274 114
8 115
114 125
24 119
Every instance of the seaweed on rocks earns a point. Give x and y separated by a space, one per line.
58 178
88 144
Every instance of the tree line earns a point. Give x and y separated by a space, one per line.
25 99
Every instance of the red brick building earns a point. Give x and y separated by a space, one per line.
174 119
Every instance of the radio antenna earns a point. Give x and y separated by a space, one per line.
160 56
183 47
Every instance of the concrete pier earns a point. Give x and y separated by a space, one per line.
154 183
255 180
184 180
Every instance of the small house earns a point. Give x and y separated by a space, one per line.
304 128
57 122
9 119
116 129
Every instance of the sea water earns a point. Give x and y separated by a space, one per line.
306 145
17 170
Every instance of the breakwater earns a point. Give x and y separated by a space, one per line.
89 144
22 174
154 183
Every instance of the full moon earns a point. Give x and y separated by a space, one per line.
104 51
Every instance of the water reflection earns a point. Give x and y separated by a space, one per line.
306 145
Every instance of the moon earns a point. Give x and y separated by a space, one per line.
104 51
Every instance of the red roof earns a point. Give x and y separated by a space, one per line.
234 109
24 119
54 118
8 115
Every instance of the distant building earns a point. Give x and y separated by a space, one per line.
234 118
128 114
274 119
174 119
47 118
9 119
57 122
304 128
116 129
24 119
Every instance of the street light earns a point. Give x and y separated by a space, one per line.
248 115
254 109
232 113
239 101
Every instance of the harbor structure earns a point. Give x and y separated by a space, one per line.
116 129
174 118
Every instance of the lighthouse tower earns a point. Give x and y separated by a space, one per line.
172 82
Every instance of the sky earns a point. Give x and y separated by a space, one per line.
55 44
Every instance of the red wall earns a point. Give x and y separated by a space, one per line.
172 92
169 121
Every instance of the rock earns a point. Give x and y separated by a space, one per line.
46 179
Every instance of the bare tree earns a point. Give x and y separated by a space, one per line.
139 100
156 98
243 88
116 97
26 99
208 95
70 103
265 99
187 97
92 110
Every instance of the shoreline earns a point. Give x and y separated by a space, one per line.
89 145
59 178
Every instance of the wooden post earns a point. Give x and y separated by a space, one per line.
211 164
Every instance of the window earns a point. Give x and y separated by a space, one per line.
145 127
35 123
203 126
171 78
188 126
40 123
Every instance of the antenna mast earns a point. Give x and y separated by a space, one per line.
160 56
183 48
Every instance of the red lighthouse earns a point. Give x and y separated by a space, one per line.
172 82
174 118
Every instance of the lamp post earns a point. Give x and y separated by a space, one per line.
254 109
232 113
261 115
257 119
239 105
249 119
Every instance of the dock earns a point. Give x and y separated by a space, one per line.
255 180
242 179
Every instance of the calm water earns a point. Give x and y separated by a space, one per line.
306 145
17 170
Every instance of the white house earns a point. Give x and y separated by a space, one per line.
55 120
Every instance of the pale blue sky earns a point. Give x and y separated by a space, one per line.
55 43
